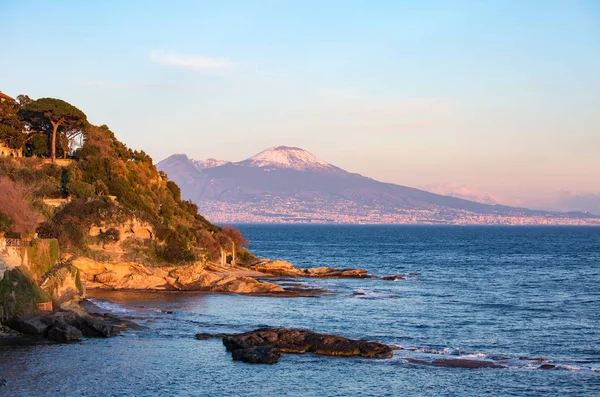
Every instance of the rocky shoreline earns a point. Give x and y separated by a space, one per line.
208 277
61 326
285 269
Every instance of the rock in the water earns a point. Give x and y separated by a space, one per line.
257 355
538 359
392 278
547 366
205 336
286 269
458 363
63 333
288 340
96 327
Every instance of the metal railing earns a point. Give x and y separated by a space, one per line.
13 242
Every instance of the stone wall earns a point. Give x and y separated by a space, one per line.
134 228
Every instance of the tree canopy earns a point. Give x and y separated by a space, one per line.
54 116
11 127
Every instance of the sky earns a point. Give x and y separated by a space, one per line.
496 98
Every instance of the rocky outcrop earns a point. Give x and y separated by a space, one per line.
67 326
200 276
64 284
286 269
29 325
264 345
194 277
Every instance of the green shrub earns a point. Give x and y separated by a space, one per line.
19 294
80 189
175 250
43 255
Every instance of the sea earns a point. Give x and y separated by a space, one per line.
518 296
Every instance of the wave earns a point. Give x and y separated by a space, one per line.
372 294
109 306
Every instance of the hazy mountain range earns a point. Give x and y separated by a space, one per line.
288 184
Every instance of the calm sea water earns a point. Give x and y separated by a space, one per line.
479 292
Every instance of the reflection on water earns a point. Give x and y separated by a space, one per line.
504 294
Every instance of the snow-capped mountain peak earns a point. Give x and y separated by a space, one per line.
286 157
209 163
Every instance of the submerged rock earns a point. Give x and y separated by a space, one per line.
458 363
287 340
205 336
392 278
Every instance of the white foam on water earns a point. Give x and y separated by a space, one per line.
366 294
108 306
474 355
568 367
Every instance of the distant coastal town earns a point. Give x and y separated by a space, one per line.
293 210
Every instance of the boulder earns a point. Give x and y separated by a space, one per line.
257 355
287 340
96 327
29 325
89 325
63 333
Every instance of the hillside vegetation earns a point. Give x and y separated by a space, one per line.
105 185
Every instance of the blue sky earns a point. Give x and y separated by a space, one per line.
502 96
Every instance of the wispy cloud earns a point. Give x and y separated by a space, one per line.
195 63
117 84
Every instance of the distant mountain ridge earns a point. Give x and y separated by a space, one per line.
289 184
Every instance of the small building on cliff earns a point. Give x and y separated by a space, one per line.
4 97
5 151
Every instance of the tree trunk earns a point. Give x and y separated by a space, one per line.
223 257
53 147
233 253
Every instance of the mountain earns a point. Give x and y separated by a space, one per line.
288 158
289 184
